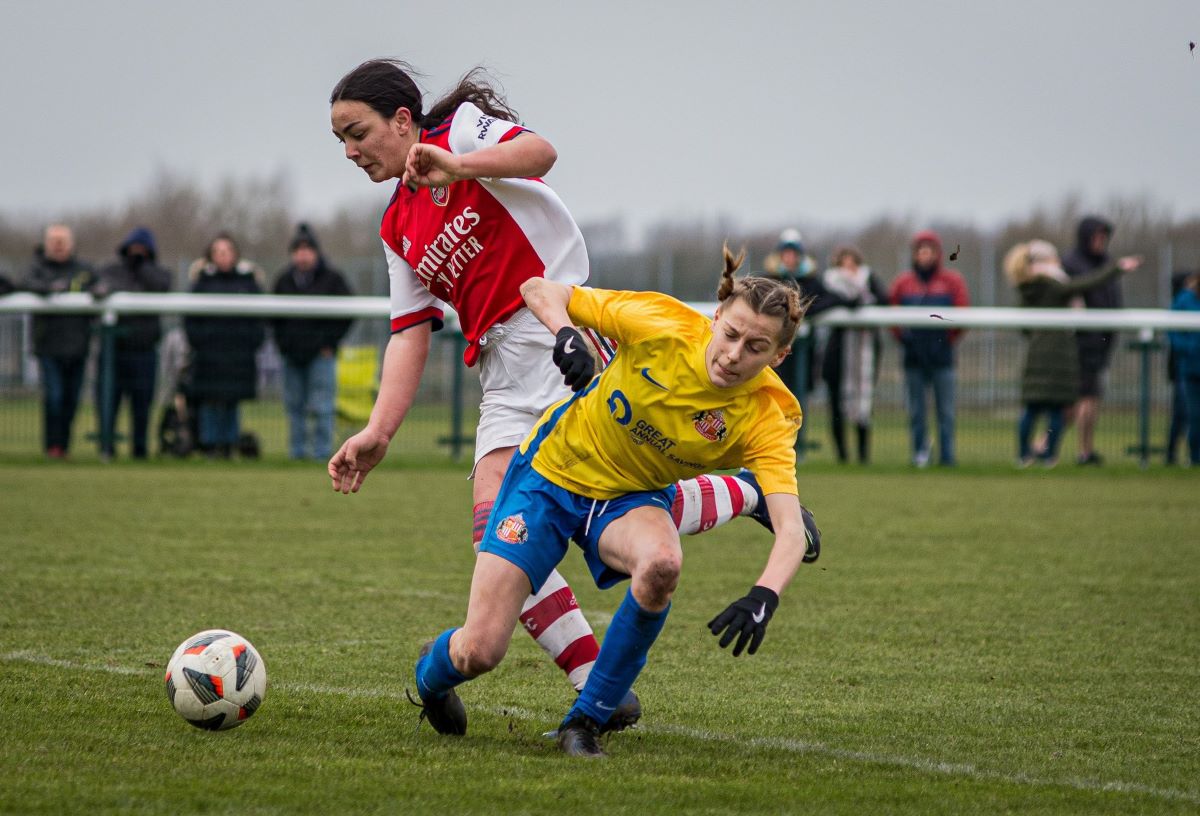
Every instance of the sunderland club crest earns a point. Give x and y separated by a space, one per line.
711 425
513 530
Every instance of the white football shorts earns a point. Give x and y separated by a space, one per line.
519 380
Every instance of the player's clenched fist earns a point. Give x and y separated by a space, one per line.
430 166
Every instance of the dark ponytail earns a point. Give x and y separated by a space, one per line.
475 87
386 85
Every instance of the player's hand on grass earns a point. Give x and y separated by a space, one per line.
573 359
350 465
430 166
746 619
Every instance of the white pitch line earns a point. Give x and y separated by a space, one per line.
926 765
43 660
963 769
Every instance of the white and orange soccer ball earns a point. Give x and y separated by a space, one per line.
216 680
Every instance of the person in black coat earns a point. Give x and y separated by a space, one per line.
134 365
224 369
60 341
1090 255
309 349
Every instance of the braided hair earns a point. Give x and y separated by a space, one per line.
764 295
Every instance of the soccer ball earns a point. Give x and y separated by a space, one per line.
216 680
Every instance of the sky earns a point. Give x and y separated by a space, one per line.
758 113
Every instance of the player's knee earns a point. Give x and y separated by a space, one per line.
659 575
478 656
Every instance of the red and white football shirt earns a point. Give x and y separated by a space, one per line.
474 243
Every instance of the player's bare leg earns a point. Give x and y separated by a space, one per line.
551 616
498 588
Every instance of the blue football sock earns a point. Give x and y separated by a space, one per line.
622 655
435 672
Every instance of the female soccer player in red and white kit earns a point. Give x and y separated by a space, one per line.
469 222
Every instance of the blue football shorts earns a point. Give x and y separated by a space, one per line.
533 519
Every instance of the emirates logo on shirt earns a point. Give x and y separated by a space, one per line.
440 195
444 258
711 425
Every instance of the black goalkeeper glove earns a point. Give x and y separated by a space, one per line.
573 359
812 537
746 619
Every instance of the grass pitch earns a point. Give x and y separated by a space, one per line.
972 641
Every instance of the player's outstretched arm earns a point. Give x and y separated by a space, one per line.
746 618
526 156
403 365
790 542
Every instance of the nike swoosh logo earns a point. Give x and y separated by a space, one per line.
652 381
567 347
605 707
760 614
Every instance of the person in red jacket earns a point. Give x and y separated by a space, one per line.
929 353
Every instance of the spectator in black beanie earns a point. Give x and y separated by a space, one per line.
134 365
309 349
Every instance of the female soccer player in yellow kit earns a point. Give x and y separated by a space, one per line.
686 394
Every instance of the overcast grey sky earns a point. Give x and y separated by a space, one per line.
762 111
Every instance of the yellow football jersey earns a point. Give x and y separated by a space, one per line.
654 417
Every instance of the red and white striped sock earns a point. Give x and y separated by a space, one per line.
552 618
709 501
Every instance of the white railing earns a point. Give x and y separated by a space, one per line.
973 317
1145 323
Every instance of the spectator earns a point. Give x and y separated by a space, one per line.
135 347
1186 345
309 349
223 349
790 264
850 362
60 341
1095 347
1178 426
1050 380
929 353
